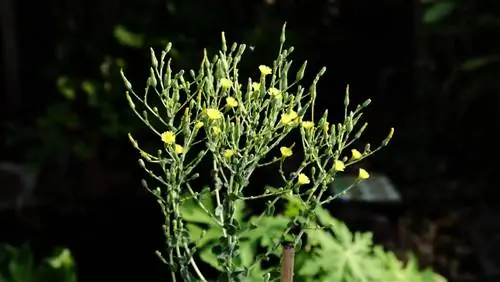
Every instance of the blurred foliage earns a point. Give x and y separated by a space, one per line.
18 264
330 253
90 109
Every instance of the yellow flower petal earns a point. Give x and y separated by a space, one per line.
274 92
168 137
213 114
289 117
326 125
286 152
178 149
225 83
265 70
303 179
231 102
199 125
338 166
255 86
363 174
356 155
216 130
228 153
307 124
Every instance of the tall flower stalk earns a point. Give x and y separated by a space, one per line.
237 124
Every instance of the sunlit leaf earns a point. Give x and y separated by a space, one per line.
438 11
128 38
479 62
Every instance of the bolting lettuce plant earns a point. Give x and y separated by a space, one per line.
235 124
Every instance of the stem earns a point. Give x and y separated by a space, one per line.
171 259
217 196
197 270
287 262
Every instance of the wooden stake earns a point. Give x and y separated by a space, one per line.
287 262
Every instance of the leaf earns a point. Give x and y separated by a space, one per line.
21 266
192 212
66 87
209 257
479 62
247 253
128 38
310 268
438 11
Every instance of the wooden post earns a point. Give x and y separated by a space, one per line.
287 262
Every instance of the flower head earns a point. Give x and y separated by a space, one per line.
225 83
338 166
265 70
287 118
286 152
231 102
228 153
326 125
356 155
303 179
307 124
255 86
213 114
168 137
199 125
178 149
274 92
216 130
363 174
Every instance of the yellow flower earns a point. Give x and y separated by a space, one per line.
338 166
228 153
213 114
226 83
274 92
286 152
231 102
326 125
356 155
199 125
363 174
178 149
255 86
307 124
303 179
289 117
216 130
265 70
168 137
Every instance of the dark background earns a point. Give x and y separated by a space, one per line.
430 67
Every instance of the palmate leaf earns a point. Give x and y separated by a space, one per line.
339 255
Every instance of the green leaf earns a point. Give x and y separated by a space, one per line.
247 253
479 62
310 268
128 38
438 11
209 257
66 87
192 212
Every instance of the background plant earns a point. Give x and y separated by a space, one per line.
242 124
332 253
18 264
